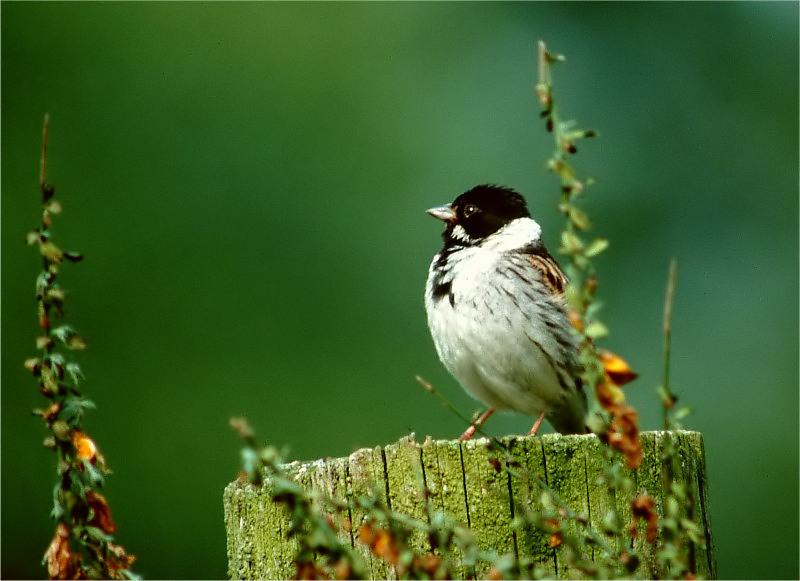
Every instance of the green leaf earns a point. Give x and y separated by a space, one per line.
49 381
681 413
69 337
667 399
93 476
579 219
282 486
570 243
64 332
51 252
596 330
61 430
57 365
679 490
53 207
128 574
34 365
672 508
97 535
594 308
251 465
693 531
58 508
43 281
76 407
597 246
269 455
75 373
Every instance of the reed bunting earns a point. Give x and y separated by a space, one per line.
497 311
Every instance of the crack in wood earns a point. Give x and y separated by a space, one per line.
588 496
464 483
511 504
386 478
547 482
348 491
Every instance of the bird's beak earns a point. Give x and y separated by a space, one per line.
443 213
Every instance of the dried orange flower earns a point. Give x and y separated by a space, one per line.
555 540
62 563
102 513
644 507
85 446
616 368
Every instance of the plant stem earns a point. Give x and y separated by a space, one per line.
669 299
43 165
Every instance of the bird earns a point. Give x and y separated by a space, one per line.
497 311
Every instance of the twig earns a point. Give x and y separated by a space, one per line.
446 403
43 164
668 399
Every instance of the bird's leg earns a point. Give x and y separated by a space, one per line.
470 431
537 423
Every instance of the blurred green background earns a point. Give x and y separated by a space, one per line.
248 185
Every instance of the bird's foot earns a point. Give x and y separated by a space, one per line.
470 431
537 423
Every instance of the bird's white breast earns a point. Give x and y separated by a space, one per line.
495 346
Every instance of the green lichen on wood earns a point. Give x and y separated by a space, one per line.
258 545
404 475
471 484
441 464
531 541
367 479
488 503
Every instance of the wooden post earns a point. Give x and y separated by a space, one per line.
465 484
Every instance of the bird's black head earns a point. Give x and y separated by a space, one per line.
480 212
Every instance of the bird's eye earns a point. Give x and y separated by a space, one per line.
470 209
